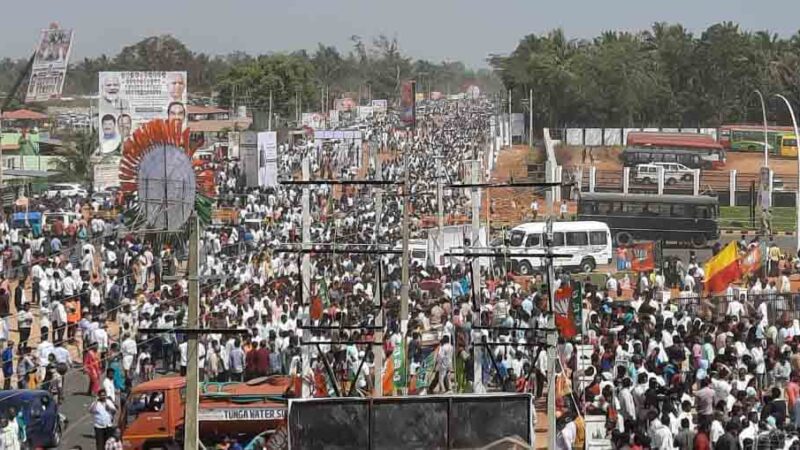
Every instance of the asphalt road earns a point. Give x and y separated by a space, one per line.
76 408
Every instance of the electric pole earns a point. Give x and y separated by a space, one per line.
192 436
305 269
376 294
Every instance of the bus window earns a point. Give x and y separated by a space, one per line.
516 238
678 211
701 212
632 208
605 208
533 240
587 208
577 238
558 239
598 238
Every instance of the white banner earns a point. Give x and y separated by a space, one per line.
574 136
364 112
49 65
593 136
314 120
130 99
380 106
231 414
268 158
711 132
106 174
612 136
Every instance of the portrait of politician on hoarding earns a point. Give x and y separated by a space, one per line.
176 111
176 86
124 124
110 94
110 138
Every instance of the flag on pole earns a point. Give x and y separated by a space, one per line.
565 319
723 269
752 261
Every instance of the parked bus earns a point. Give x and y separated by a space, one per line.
589 243
675 218
750 138
633 156
710 152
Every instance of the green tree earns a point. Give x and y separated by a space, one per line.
75 163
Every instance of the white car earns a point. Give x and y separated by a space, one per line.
673 173
66 190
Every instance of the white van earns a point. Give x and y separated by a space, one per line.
589 243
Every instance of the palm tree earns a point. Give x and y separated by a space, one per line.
75 163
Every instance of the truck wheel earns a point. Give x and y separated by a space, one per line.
587 265
624 238
56 442
699 241
525 268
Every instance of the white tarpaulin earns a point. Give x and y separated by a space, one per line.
690 130
612 136
574 136
670 130
593 136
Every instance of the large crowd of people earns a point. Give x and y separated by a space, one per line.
664 369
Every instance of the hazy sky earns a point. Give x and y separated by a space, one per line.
466 30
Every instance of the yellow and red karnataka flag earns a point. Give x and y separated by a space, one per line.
723 269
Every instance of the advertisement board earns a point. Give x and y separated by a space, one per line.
364 112
130 99
314 120
344 104
380 106
106 174
268 158
638 257
49 65
407 95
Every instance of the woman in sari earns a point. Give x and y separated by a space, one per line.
91 366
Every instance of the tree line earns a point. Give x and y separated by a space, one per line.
370 68
665 76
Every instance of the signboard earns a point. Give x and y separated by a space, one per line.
517 124
315 121
231 414
268 158
344 104
380 106
407 103
49 65
248 157
130 99
106 174
364 112
639 257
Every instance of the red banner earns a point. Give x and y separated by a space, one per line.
639 257
565 319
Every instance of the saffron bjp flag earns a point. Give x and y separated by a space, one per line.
565 319
723 269
751 262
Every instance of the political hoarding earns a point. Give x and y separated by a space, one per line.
344 104
379 106
130 99
49 65
407 99
267 158
313 120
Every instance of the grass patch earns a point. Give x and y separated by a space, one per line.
783 219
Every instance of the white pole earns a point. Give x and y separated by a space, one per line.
478 381
376 294
305 269
764 115
530 118
796 136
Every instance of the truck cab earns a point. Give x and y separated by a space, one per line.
153 415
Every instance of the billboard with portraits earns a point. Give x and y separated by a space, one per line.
49 65
130 99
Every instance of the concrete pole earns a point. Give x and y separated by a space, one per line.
551 342
592 178
376 294
439 205
404 263
510 136
305 268
696 182
660 174
269 119
478 383
626 179
191 425
797 136
530 118
732 200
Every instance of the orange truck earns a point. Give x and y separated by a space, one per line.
153 415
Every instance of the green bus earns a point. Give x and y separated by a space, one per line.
750 138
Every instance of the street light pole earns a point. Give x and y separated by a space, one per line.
796 136
764 115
